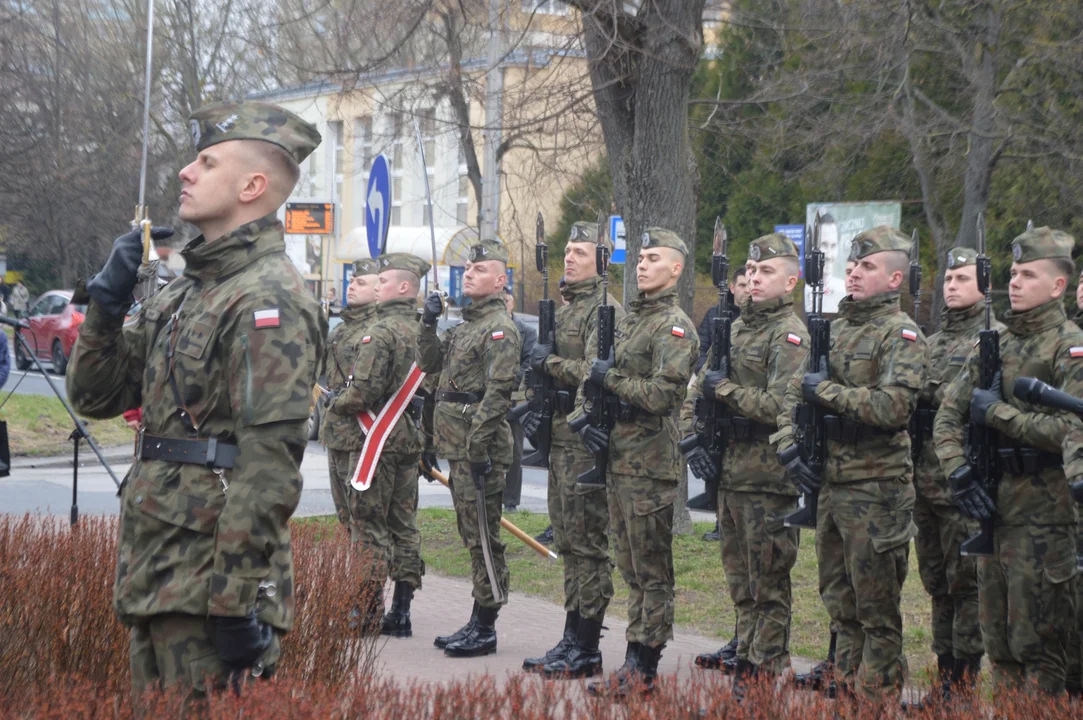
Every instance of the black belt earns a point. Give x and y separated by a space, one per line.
848 431
741 428
209 453
466 398
1023 460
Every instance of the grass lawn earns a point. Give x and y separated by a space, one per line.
38 425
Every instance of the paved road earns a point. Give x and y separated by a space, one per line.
30 382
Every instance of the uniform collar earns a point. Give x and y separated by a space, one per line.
480 307
962 319
664 299
584 288
1036 320
398 306
755 314
233 251
361 313
861 311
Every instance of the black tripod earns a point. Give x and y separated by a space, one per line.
79 433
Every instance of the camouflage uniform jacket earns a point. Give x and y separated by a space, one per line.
383 360
656 351
945 354
480 355
767 345
338 432
569 364
877 369
1040 343
187 544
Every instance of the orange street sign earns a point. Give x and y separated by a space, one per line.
310 218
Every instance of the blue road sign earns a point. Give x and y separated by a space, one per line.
378 205
616 234
797 234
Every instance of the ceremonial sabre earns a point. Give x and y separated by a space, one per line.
148 269
428 200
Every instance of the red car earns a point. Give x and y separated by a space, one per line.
54 324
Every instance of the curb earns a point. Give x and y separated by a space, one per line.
115 454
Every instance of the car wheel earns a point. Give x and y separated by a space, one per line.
60 363
21 360
314 423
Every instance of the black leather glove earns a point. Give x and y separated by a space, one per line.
812 380
530 422
240 641
1077 491
699 461
594 439
538 355
330 396
802 476
969 496
432 309
428 464
982 400
712 379
598 369
112 287
479 471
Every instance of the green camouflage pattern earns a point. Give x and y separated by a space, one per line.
188 545
959 257
660 237
768 343
464 497
487 250
338 432
403 261
758 553
470 359
876 372
251 120
1042 244
340 466
771 246
881 238
174 649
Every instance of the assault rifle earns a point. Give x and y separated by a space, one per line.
540 390
982 448
810 427
922 415
600 405
712 415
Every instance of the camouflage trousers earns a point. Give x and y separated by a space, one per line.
579 515
1027 597
1074 676
383 518
464 495
950 579
758 552
641 526
175 649
339 468
863 533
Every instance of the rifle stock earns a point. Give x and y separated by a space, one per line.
600 405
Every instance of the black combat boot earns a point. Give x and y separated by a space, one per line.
941 693
715 660
611 685
397 621
819 677
560 651
964 675
481 640
442 641
584 659
743 675
367 616
648 667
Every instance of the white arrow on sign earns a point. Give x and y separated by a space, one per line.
376 209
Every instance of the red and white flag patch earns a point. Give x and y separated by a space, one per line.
1076 351
266 318
677 330
366 340
498 335
793 339
908 334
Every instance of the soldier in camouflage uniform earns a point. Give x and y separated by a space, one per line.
656 350
222 361
385 513
865 522
1074 678
342 435
477 361
1026 595
768 344
578 512
949 578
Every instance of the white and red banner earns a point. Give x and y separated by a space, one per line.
378 427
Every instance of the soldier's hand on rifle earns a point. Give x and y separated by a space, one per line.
538 355
530 422
802 476
479 470
713 378
699 461
432 309
812 380
240 641
982 400
598 369
428 464
970 497
595 439
1077 491
112 287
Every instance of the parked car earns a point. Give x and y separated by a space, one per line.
54 324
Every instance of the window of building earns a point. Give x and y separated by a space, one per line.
545 7
362 138
339 157
462 205
396 140
427 124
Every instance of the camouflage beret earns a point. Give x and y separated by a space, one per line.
771 246
366 266
403 261
588 232
878 239
660 237
961 257
219 122
1042 244
488 250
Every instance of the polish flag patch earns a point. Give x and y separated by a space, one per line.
908 334
498 335
266 318
678 331
1076 351
366 340
793 339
